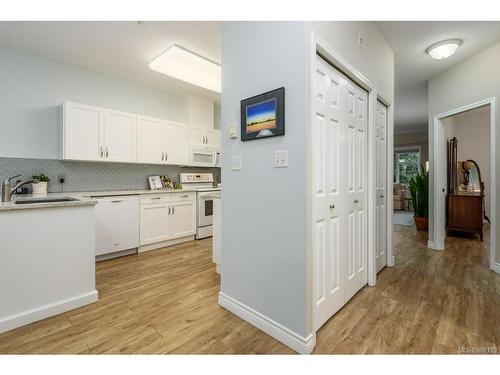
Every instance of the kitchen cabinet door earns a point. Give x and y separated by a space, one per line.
150 134
197 137
82 131
212 138
176 143
183 219
120 133
155 221
117 224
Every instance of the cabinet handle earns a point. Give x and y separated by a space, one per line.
356 201
332 206
185 196
101 153
204 140
382 196
162 156
173 210
156 198
166 156
107 153
169 210
116 201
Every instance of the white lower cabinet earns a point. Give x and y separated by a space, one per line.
166 217
183 219
155 222
117 224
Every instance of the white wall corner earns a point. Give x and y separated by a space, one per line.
432 245
302 345
496 267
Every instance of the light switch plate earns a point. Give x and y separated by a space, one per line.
281 159
236 163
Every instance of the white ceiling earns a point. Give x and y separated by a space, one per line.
120 49
413 67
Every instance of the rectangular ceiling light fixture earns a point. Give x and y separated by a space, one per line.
187 66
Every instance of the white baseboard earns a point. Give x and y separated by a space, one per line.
159 245
432 245
30 316
302 345
496 267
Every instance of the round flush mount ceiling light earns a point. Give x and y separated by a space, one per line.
443 49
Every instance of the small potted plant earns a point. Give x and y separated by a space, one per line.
40 188
419 190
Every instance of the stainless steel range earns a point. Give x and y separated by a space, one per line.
203 184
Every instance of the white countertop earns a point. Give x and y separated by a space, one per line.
84 197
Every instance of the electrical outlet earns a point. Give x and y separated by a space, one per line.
281 159
236 163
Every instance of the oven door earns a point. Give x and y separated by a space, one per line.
202 157
205 209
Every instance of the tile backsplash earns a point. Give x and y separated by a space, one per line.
93 176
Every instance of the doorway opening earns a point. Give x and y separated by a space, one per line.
464 179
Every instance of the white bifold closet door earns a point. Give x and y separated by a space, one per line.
339 188
381 182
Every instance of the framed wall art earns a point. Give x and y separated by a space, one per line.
263 115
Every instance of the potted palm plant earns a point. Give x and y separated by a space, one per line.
419 190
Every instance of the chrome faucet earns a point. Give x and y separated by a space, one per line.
8 190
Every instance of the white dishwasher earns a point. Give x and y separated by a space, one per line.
117 224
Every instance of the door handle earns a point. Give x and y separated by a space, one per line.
332 206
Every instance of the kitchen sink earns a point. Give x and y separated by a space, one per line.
45 200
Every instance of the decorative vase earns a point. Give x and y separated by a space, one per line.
422 223
40 188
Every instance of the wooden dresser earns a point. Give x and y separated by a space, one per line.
465 213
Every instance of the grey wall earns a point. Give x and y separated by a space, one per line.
263 208
32 89
265 260
472 80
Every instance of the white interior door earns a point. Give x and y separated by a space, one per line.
339 188
381 193
356 153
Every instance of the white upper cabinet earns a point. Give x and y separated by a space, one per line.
100 134
82 131
150 140
120 130
201 113
202 137
175 143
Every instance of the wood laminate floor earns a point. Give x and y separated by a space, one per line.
166 302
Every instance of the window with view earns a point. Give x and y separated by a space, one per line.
406 165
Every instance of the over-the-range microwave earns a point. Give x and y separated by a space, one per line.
202 156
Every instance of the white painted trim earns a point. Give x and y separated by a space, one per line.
438 209
390 191
496 267
302 345
432 245
159 245
30 316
